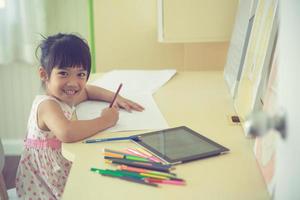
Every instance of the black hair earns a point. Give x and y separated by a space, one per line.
64 50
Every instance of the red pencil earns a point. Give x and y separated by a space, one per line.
116 94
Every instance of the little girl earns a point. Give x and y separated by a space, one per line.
65 68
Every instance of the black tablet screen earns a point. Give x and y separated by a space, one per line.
180 144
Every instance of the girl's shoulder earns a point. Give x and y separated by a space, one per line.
41 98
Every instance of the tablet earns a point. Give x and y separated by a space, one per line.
180 144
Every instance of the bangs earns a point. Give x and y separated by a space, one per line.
69 55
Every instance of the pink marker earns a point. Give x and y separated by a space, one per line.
171 182
150 156
138 153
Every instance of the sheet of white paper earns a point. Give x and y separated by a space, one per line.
135 81
150 118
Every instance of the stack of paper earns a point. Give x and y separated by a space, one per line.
138 86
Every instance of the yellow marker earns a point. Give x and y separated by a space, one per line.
154 176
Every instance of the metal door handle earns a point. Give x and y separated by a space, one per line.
259 123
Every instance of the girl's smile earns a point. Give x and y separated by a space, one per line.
70 91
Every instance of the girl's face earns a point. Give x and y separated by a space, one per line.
66 84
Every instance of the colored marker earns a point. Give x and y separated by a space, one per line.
172 182
128 157
117 152
154 176
140 170
149 155
142 154
145 165
113 174
135 138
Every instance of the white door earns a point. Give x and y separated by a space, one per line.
288 153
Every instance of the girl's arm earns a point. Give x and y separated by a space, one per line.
101 94
51 117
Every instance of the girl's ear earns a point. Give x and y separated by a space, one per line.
43 74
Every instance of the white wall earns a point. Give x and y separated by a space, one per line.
19 84
288 163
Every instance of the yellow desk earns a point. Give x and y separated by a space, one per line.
201 101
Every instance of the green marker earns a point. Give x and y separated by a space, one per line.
106 172
136 158
116 174
130 174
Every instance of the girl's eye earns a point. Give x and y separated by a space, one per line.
63 74
82 75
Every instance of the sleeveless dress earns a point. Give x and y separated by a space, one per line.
42 171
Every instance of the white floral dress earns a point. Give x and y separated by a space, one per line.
42 171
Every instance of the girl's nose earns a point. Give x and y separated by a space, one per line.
72 82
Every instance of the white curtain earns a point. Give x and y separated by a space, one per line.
21 23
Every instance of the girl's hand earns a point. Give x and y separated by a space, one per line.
111 115
128 104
